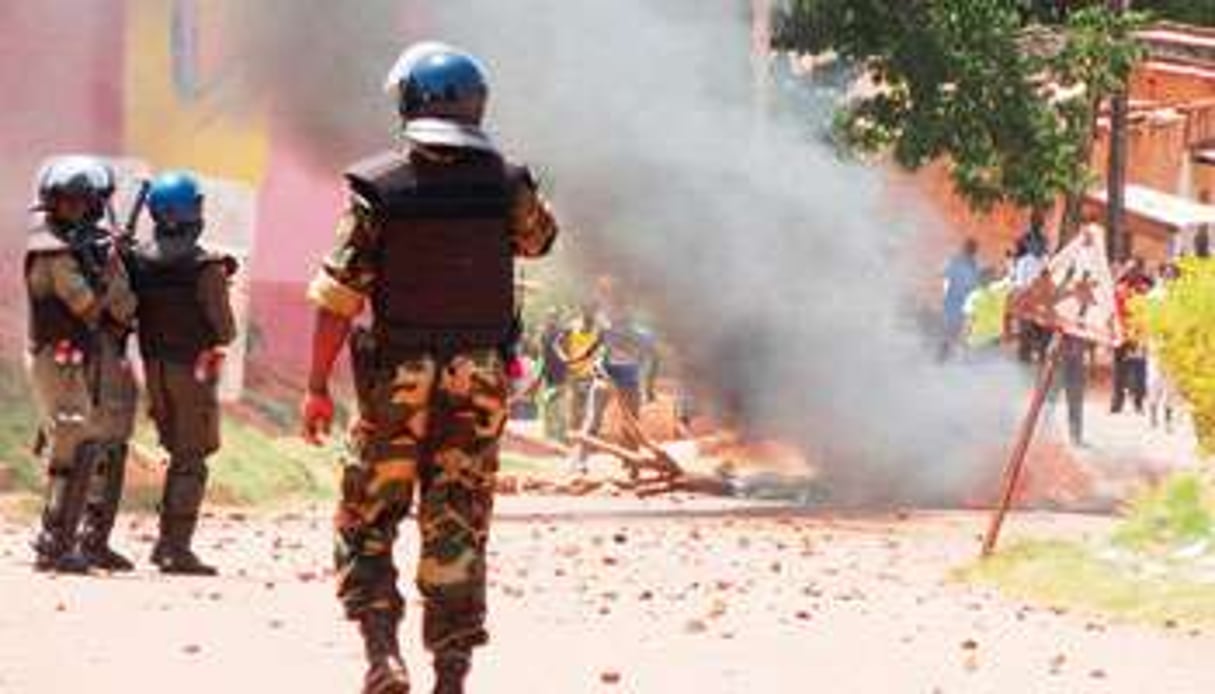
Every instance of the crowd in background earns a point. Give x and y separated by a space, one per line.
577 362
978 323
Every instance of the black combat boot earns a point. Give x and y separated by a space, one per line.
386 673
102 510
451 669
56 546
185 486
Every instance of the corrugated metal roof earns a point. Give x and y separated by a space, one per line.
1158 206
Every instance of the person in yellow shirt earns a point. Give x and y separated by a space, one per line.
985 311
580 348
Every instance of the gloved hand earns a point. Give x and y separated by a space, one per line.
317 414
515 369
209 364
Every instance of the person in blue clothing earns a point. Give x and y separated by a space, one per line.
962 275
630 361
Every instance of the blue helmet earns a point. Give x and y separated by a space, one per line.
80 176
174 199
441 94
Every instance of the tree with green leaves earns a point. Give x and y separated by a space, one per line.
1010 102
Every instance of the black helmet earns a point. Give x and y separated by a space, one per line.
87 177
441 94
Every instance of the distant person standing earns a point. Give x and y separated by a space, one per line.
1074 375
185 324
1202 237
961 278
986 312
626 369
1029 263
580 349
1130 358
1162 394
79 294
552 376
630 360
1034 240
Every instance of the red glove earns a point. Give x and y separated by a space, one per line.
209 365
515 369
317 413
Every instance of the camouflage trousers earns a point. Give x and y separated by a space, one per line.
432 426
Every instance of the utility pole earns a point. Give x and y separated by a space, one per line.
761 51
1118 240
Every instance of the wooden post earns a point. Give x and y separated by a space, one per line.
1016 463
1118 239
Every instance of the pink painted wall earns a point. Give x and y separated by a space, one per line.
60 77
298 207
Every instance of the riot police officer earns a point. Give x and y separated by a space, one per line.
185 322
116 397
428 242
80 307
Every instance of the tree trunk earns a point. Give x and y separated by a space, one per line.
1073 204
1117 240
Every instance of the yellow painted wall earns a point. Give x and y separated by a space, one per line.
171 125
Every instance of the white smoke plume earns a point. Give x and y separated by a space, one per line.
318 65
775 267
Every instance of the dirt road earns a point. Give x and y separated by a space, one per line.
597 596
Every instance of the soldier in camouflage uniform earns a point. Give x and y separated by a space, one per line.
81 308
429 242
185 322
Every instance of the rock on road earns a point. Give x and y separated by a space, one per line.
595 595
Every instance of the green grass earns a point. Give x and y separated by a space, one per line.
258 465
1156 566
254 468
17 418
1063 574
1177 512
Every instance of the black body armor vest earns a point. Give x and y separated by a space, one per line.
445 280
172 324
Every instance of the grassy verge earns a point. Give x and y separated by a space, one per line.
1157 567
1062 574
17 418
253 468
257 465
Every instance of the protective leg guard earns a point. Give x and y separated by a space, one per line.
56 547
185 487
451 669
102 509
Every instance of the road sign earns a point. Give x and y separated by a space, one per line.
1074 294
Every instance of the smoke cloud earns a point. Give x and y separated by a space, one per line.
318 65
782 278
777 268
